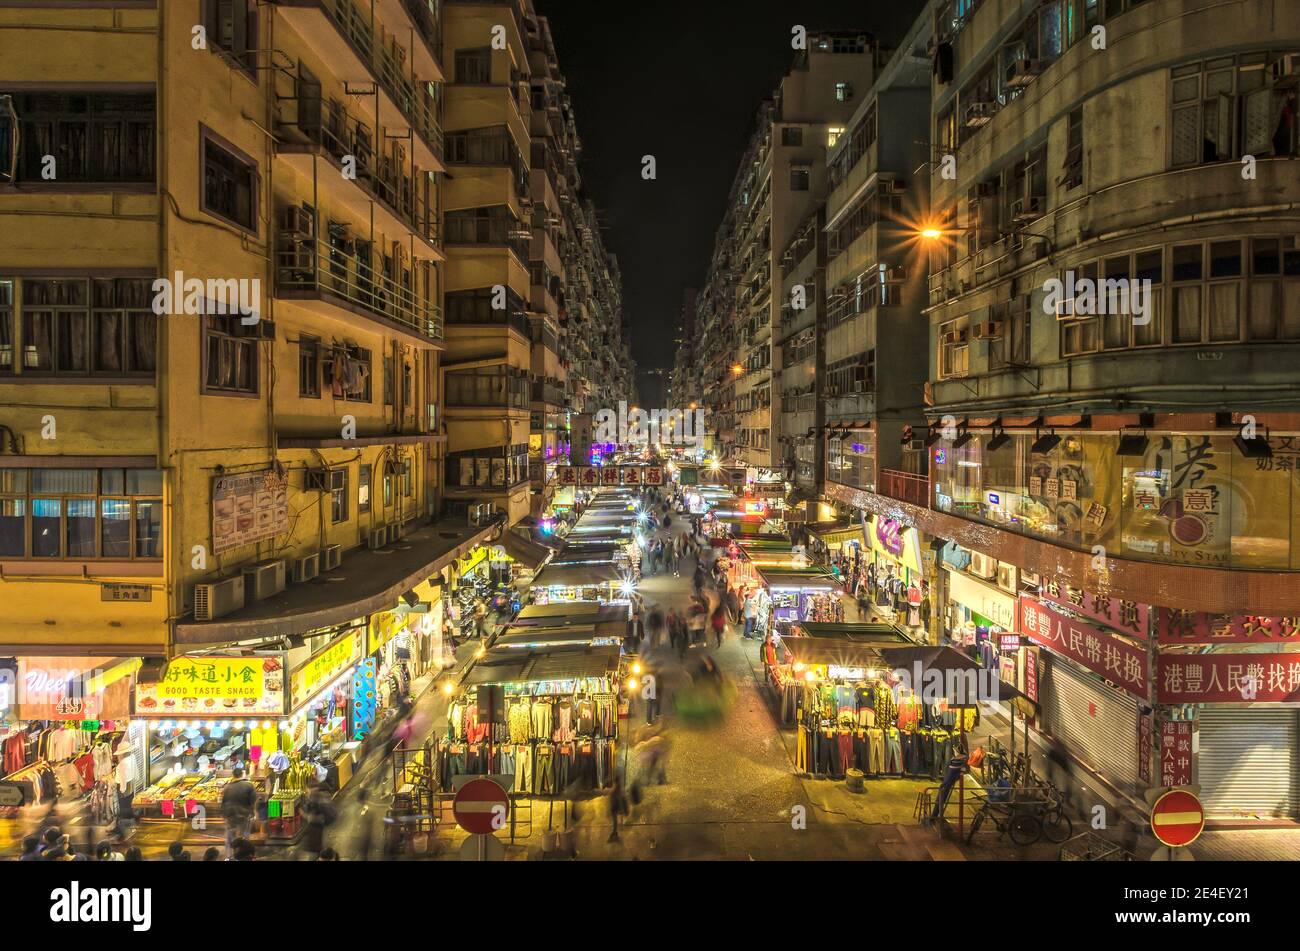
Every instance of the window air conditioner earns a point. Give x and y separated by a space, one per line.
1022 72
305 568
1027 209
989 330
218 598
264 580
331 556
377 538
978 114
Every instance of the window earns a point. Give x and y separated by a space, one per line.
96 138
792 135
488 386
1013 348
497 467
347 373
81 513
1222 110
954 359
843 92
1188 271
388 487
229 355
474 66
232 29
863 137
1073 169
339 495
363 489
799 179
81 327
1274 289
308 366
390 381
229 184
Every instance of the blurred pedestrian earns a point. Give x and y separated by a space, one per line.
719 621
133 854
177 853
319 813
30 846
238 804
212 854
618 805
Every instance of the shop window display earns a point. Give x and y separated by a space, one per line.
1189 499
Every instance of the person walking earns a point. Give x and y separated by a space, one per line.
654 623
238 803
319 813
751 614
719 621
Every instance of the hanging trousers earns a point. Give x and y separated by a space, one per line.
545 773
876 749
893 752
844 741
524 770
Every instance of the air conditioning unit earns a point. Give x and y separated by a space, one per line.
305 568
1027 208
218 598
377 538
296 221
978 114
1285 67
983 566
1022 72
955 336
396 531
989 330
266 329
1007 577
262 581
331 556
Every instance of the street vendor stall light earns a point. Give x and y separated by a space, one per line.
636 667
627 587
810 676
448 689
481 651
631 684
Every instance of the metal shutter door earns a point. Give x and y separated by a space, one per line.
1247 761
1106 741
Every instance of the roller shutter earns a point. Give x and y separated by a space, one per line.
1248 761
1096 723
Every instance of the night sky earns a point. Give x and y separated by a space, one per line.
681 81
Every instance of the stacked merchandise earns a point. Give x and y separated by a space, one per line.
553 742
291 775
825 607
72 760
869 727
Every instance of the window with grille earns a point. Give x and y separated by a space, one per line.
474 66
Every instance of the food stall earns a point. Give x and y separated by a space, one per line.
205 715
546 719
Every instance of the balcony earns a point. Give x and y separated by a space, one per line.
343 37
552 393
309 127
350 284
905 487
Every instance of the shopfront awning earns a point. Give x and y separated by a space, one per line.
588 554
837 534
570 612
546 637
811 579
519 666
527 553
965 681
576 576
832 652
851 632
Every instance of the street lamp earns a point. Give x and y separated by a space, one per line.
935 233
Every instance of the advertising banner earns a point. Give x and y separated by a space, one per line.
1178 626
1127 616
1175 752
1123 664
1229 678
215 686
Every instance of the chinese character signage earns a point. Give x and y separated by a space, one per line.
654 476
1123 664
631 475
1175 752
1031 674
1145 726
593 476
1179 626
567 475
324 667
248 508
215 686
609 476
1229 678
125 592
1126 616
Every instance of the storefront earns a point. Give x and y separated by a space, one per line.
1246 697
895 576
1091 684
205 716
979 615
788 676
66 731
544 720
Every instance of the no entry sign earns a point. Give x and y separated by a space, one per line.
1177 818
481 807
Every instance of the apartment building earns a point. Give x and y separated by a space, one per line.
780 180
684 378
180 462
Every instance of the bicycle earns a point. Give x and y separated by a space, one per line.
1010 818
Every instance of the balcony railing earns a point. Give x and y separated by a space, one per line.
329 125
905 487
306 270
412 98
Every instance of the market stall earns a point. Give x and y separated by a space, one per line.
799 594
561 583
546 719
787 677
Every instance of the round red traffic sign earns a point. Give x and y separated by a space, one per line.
1177 818
481 807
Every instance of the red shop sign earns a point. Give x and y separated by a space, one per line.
1031 675
1229 678
1177 626
1122 664
1127 616
1175 752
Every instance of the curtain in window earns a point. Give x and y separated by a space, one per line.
144 340
65 481
38 340
115 528
108 341
1187 314
148 529
1225 311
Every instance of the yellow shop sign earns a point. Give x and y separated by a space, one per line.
212 685
325 666
383 628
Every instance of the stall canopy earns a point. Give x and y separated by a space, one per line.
837 533
587 553
945 660
851 632
570 612
529 554
564 636
833 652
803 579
515 666
576 576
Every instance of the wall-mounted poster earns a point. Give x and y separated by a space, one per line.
248 508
